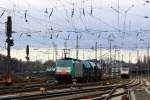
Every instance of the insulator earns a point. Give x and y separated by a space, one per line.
83 12
51 13
46 11
25 16
91 13
3 13
72 14
51 37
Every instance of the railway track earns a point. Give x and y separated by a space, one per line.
48 86
72 93
113 92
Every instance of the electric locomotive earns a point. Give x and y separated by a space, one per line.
68 69
124 72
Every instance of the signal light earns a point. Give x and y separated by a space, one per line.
10 42
27 52
27 58
9 27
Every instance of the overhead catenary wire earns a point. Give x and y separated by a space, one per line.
84 21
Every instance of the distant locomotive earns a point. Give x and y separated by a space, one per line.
124 72
71 69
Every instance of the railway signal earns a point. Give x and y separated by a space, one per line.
10 42
9 27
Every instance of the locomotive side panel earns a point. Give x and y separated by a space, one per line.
78 70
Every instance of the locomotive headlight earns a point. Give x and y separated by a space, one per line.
63 69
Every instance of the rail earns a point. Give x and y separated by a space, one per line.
109 89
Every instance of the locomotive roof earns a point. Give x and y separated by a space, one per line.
70 59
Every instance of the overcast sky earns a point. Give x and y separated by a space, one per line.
43 23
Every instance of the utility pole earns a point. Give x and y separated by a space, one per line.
110 58
115 66
118 55
10 43
137 54
129 57
119 65
148 59
96 51
118 58
110 50
55 49
115 48
65 50
83 54
138 62
118 6
110 47
122 59
77 45
130 67
100 53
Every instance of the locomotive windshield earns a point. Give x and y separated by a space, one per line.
63 65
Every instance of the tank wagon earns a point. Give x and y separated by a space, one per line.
72 69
